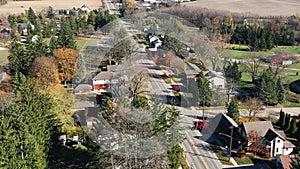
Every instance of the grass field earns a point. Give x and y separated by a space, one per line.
3 57
258 7
242 54
20 6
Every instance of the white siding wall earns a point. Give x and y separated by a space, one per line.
100 81
278 143
217 82
287 151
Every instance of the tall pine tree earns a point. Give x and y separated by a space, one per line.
233 110
205 94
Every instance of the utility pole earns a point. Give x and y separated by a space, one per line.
230 146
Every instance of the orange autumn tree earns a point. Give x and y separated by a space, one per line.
130 2
44 71
66 59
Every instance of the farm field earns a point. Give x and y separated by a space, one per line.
20 6
258 7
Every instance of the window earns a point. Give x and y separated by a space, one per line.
278 141
287 149
276 150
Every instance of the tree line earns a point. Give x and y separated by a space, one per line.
259 33
262 38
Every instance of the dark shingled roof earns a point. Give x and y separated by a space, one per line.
272 134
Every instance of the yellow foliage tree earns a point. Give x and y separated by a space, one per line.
44 71
66 58
130 2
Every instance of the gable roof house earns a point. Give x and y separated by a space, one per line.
101 81
262 136
216 79
221 126
277 144
83 88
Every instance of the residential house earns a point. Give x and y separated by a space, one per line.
216 79
277 59
102 81
277 144
263 138
83 88
221 126
192 70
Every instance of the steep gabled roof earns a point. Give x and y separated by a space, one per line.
272 134
261 127
222 122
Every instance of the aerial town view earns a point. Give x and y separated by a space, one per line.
149 84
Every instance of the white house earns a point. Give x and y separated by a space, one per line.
277 144
271 142
216 79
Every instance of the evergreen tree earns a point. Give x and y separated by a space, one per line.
267 87
12 19
280 91
205 94
92 18
30 128
233 111
281 120
293 126
174 156
31 16
66 38
232 73
53 44
287 122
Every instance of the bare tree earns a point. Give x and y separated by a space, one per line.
252 65
254 106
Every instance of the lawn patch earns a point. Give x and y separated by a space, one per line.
243 161
221 155
3 57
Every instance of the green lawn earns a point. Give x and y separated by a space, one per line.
82 42
221 155
243 161
292 49
295 65
243 54
289 76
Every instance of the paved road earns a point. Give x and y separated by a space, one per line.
197 152
110 7
295 111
